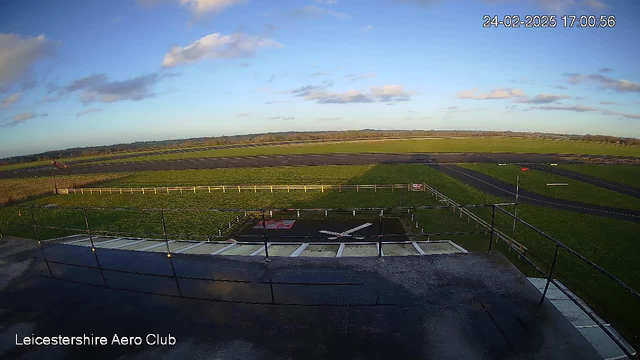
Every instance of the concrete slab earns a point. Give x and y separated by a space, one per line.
314 250
207 248
282 250
242 250
360 250
139 245
399 250
433 248
174 246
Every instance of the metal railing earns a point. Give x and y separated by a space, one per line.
238 188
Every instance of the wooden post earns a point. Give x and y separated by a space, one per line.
120 190
82 191
255 189
271 188
238 188
143 190
322 188
209 188
167 189
223 189
375 188
155 190
340 188
357 188
287 188
305 188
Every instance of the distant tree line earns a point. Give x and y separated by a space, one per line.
300 136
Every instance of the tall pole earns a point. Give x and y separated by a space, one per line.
264 237
515 210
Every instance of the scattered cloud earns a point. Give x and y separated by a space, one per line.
387 93
205 7
596 4
576 108
603 81
218 46
20 118
18 55
320 73
98 88
561 87
605 70
452 108
288 119
543 99
281 118
363 76
276 102
11 99
625 115
369 27
243 115
88 111
312 11
608 103
492 95
327 2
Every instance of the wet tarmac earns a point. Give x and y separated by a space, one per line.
472 306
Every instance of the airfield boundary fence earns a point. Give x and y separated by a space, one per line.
241 188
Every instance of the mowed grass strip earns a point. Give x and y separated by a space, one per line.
285 175
23 188
504 144
537 181
623 174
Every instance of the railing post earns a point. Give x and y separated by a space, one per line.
264 237
35 226
493 226
553 266
164 232
380 237
86 223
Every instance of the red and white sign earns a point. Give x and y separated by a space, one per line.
416 187
524 169
275 224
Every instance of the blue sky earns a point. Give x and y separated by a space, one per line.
80 73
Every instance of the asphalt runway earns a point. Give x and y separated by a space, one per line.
286 160
500 188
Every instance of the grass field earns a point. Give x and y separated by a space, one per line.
407 146
623 174
23 188
611 243
537 181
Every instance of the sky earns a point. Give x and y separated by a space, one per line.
81 73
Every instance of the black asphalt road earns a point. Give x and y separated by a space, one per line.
500 188
285 160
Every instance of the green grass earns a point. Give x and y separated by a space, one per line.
537 181
613 244
404 146
285 175
623 174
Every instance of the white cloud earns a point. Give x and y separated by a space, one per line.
11 99
387 93
368 28
310 11
98 88
595 4
543 99
626 115
243 115
18 55
604 82
20 118
363 76
327 2
576 108
88 111
492 95
218 46
202 7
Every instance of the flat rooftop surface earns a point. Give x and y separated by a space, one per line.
471 306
